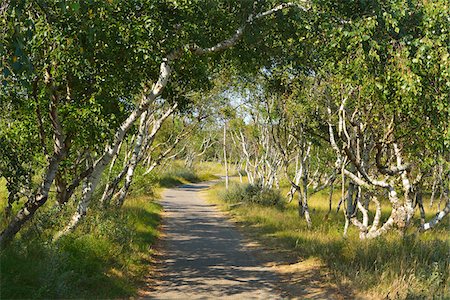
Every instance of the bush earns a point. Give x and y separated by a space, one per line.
234 194
251 193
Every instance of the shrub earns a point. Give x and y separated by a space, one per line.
251 193
265 196
234 194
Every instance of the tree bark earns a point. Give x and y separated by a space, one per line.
225 154
437 219
136 157
134 160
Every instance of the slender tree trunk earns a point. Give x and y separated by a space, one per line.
148 98
305 207
419 202
112 187
225 154
140 140
30 207
330 200
75 183
107 191
239 168
61 189
134 160
349 209
100 165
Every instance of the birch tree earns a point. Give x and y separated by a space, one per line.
147 98
69 49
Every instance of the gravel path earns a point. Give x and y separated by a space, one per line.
203 256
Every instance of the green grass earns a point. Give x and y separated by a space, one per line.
107 256
104 258
176 174
412 267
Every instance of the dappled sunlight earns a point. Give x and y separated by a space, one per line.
319 128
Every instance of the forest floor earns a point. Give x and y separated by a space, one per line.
203 255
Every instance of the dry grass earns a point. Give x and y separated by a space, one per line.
415 266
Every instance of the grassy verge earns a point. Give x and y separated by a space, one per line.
108 254
104 258
176 174
412 267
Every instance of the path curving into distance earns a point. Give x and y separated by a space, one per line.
203 256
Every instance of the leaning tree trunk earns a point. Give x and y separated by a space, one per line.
105 159
111 187
156 90
41 196
437 219
108 178
32 205
133 160
136 156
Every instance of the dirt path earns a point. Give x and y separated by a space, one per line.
203 255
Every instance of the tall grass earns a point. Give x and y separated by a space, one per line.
415 266
104 258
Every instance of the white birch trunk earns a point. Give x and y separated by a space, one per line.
134 159
225 154
40 197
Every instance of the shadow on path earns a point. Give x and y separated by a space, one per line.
203 255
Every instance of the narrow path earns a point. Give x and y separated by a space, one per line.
204 256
